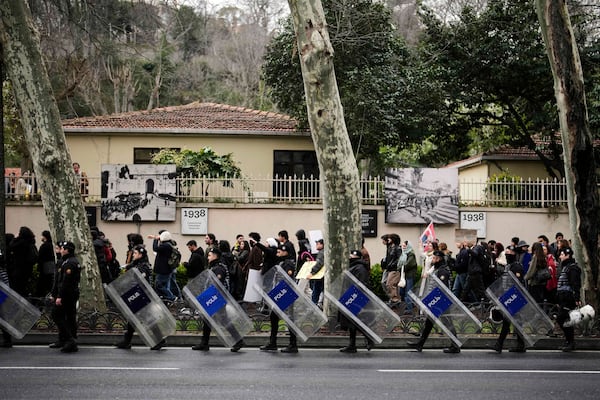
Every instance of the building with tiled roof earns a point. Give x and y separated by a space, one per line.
262 143
207 118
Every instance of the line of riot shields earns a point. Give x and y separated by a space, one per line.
141 306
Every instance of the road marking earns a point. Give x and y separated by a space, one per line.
97 368
487 371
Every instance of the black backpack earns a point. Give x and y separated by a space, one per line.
174 258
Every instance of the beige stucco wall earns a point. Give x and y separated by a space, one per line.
227 220
254 154
524 169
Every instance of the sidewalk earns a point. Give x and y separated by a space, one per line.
324 341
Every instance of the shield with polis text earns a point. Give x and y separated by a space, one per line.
17 315
367 311
218 307
142 307
441 306
291 304
516 304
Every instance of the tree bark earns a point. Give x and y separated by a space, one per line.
577 140
337 164
47 145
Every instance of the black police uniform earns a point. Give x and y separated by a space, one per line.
221 270
516 268
569 287
66 288
144 267
358 267
289 266
442 271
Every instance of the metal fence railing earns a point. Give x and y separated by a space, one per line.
533 193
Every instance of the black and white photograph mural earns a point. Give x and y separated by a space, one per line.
421 195
138 192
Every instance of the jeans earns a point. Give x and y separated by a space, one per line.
403 293
173 286
459 284
317 286
163 286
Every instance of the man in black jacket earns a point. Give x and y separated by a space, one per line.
196 263
65 294
568 292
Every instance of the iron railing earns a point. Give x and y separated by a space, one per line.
533 193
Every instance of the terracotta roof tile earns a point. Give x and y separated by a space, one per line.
193 116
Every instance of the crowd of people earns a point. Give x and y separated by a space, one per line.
548 270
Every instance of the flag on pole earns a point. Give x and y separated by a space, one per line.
428 235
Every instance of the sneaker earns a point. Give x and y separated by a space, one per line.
348 349
159 345
452 350
269 347
290 349
201 347
123 345
418 345
236 347
57 345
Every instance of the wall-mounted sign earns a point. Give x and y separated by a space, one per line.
368 222
474 220
194 221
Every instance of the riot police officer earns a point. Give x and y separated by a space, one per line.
65 293
442 271
569 286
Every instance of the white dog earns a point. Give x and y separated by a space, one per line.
582 317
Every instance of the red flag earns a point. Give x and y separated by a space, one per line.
428 235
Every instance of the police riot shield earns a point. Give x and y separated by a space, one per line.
516 304
17 315
367 311
141 306
218 307
291 304
444 308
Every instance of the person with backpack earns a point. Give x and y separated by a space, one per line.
163 264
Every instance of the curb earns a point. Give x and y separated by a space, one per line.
323 341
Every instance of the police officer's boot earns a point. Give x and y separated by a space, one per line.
351 348
416 344
292 347
70 347
126 342
497 347
271 346
520 348
7 340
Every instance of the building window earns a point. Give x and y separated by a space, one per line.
143 155
298 164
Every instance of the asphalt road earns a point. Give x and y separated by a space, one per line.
37 372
